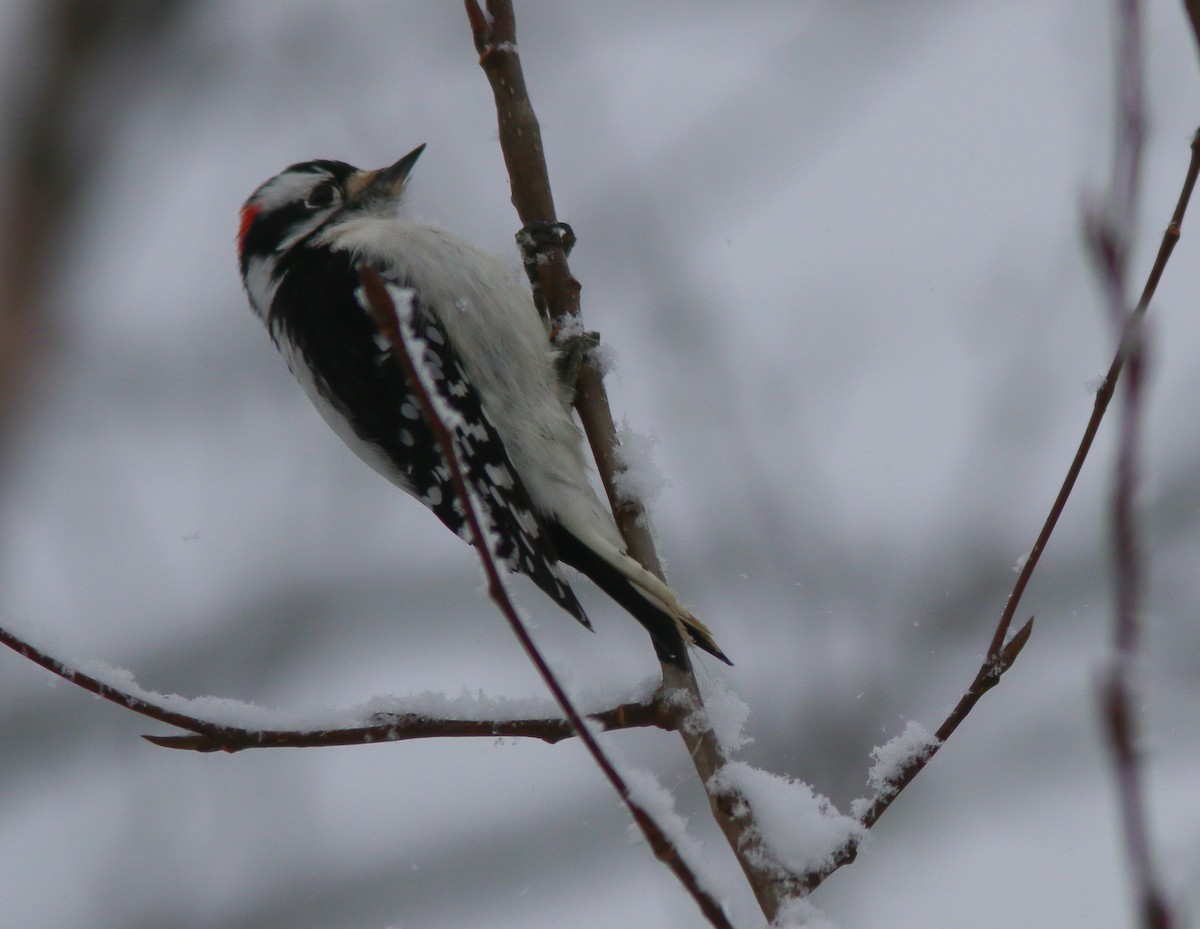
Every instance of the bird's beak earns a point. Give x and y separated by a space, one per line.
386 183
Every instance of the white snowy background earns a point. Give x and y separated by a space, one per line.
834 249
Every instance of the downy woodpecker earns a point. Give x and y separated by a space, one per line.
304 235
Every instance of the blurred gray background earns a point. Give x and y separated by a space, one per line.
834 249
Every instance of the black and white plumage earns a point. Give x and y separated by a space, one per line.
304 235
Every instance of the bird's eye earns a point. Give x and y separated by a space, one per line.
322 196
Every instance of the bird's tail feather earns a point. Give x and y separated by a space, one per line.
644 596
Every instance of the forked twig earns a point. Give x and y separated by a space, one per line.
1004 648
995 663
993 667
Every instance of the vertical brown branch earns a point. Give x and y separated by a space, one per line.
520 134
495 40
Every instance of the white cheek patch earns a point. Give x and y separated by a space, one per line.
287 188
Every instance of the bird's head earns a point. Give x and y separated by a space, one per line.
305 198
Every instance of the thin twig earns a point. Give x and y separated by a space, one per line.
1110 241
1117 689
1103 396
1003 649
107 691
402 727
987 677
208 736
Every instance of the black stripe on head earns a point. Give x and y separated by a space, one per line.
285 208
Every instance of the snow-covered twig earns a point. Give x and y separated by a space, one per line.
394 724
384 312
902 773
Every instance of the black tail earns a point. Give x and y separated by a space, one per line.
663 628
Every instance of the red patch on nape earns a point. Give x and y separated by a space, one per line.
249 213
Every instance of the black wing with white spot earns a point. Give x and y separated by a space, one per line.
317 310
